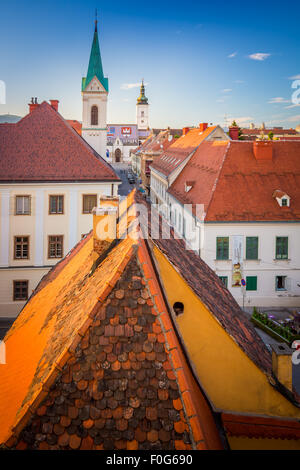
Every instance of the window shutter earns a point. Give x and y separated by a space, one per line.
251 283
251 247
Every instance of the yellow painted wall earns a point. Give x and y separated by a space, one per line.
231 380
243 443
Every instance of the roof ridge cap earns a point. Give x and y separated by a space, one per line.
217 178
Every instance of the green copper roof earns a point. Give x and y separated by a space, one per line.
95 65
142 98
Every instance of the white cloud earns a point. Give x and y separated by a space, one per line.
292 106
231 56
294 118
244 119
278 100
295 77
129 86
227 90
259 56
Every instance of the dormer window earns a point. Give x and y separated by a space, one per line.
188 186
282 198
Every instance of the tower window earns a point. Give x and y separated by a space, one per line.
94 116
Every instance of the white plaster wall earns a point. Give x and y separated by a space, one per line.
38 226
142 120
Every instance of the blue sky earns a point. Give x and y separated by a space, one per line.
181 50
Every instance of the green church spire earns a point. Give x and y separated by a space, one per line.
142 98
95 63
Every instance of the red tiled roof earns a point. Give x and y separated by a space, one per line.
233 185
43 147
160 143
178 151
275 130
75 124
260 427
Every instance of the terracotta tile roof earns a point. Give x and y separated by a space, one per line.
94 362
160 143
275 130
178 151
44 147
260 427
77 126
212 292
234 186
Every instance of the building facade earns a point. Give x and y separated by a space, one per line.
240 212
166 168
50 180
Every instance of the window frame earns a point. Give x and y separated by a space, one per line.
257 247
63 204
62 247
282 289
28 247
222 278
222 258
94 117
88 195
14 290
29 204
277 257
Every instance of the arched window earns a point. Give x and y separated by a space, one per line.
178 308
94 116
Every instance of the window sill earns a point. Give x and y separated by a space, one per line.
258 260
223 259
282 259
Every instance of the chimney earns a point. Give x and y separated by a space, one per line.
185 130
234 132
54 104
104 227
110 201
263 150
33 104
282 364
203 126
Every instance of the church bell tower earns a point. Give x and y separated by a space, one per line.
94 90
142 110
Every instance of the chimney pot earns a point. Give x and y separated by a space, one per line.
185 130
263 150
34 104
234 132
203 126
54 104
105 223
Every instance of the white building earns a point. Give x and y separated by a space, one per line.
50 180
238 206
166 168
